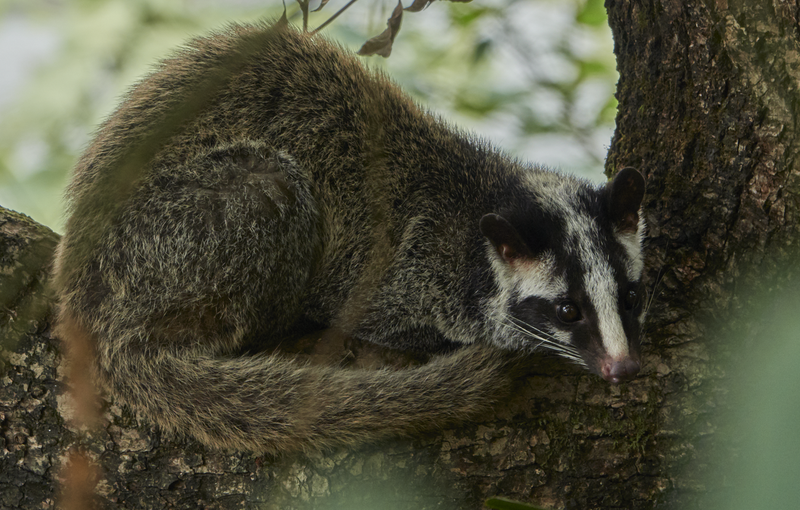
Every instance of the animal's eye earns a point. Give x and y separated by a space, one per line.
631 299
568 312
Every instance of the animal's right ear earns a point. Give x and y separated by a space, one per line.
625 199
505 238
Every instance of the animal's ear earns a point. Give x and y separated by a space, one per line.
505 238
625 196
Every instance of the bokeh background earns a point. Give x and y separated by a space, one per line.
536 77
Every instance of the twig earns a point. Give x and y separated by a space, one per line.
304 9
329 20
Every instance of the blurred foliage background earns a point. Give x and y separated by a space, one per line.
536 77
757 462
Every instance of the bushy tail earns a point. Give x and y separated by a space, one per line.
270 404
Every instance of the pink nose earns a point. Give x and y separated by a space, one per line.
617 371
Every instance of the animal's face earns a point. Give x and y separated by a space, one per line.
568 271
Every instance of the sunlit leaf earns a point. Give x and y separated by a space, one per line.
381 44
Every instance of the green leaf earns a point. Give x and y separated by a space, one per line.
480 103
608 113
464 16
587 68
593 14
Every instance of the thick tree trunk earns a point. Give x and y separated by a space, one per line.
708 109
708 99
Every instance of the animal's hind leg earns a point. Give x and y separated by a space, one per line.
220 249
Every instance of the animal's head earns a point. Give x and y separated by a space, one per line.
568 263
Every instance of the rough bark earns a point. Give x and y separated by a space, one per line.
708 104
564 439
708 108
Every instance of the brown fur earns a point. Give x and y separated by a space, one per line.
262 184
221 240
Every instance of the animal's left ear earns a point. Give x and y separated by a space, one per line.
625 196
505 238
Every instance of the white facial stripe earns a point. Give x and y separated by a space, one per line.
632 242
520 280
635 263
529 278
561 190
557 194
537 278
602 292
600 285
562 337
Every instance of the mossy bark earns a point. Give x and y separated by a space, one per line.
708 108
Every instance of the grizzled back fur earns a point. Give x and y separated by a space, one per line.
260 182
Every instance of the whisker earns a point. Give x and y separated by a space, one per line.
520 327
652 295
538 333
543 338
